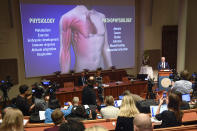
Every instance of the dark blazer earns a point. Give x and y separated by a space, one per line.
88 96
82 82
159 66
23 105
124 124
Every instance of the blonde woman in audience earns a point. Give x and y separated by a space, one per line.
12 121
126 115
110 111
96 128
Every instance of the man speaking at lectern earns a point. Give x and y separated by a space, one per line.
163 64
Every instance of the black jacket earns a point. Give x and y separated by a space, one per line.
88 96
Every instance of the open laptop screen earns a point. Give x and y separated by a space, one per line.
153 109
186 97
117 103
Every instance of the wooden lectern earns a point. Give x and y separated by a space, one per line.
164 80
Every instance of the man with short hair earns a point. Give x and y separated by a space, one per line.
82 80
72 125
142 122
88 93
184 86
163 64
22 102
58 118
75 101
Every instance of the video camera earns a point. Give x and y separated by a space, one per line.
5 86
46 87
174 76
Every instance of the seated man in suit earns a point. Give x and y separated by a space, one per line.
163 64
82 81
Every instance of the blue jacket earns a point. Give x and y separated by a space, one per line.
159 66
49 111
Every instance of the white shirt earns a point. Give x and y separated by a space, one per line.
109 112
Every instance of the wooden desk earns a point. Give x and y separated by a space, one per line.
179 128
37 126
108 125
136 87
114 75
189 115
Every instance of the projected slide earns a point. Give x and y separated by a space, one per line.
77 37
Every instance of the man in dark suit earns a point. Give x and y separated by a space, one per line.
163 64
82 81
88 93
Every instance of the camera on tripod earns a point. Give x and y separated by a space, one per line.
5 86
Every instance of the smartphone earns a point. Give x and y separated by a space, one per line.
66 103
164 95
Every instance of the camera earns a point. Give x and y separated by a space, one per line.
5 86
174 76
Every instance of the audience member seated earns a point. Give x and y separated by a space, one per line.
183 104
72 125
82 81
142 122
136 97
58 118
110 111
79 113
88 93
22 101
75 101
96 128
40 105
4 110
126 114
54 104
172 116
13 120
184 86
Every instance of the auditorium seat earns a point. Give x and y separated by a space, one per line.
178 128
109 124
68 84
37 126
106 79
125 79
189 115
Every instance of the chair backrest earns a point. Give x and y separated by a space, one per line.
68 84
106 79
37 126
125 79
